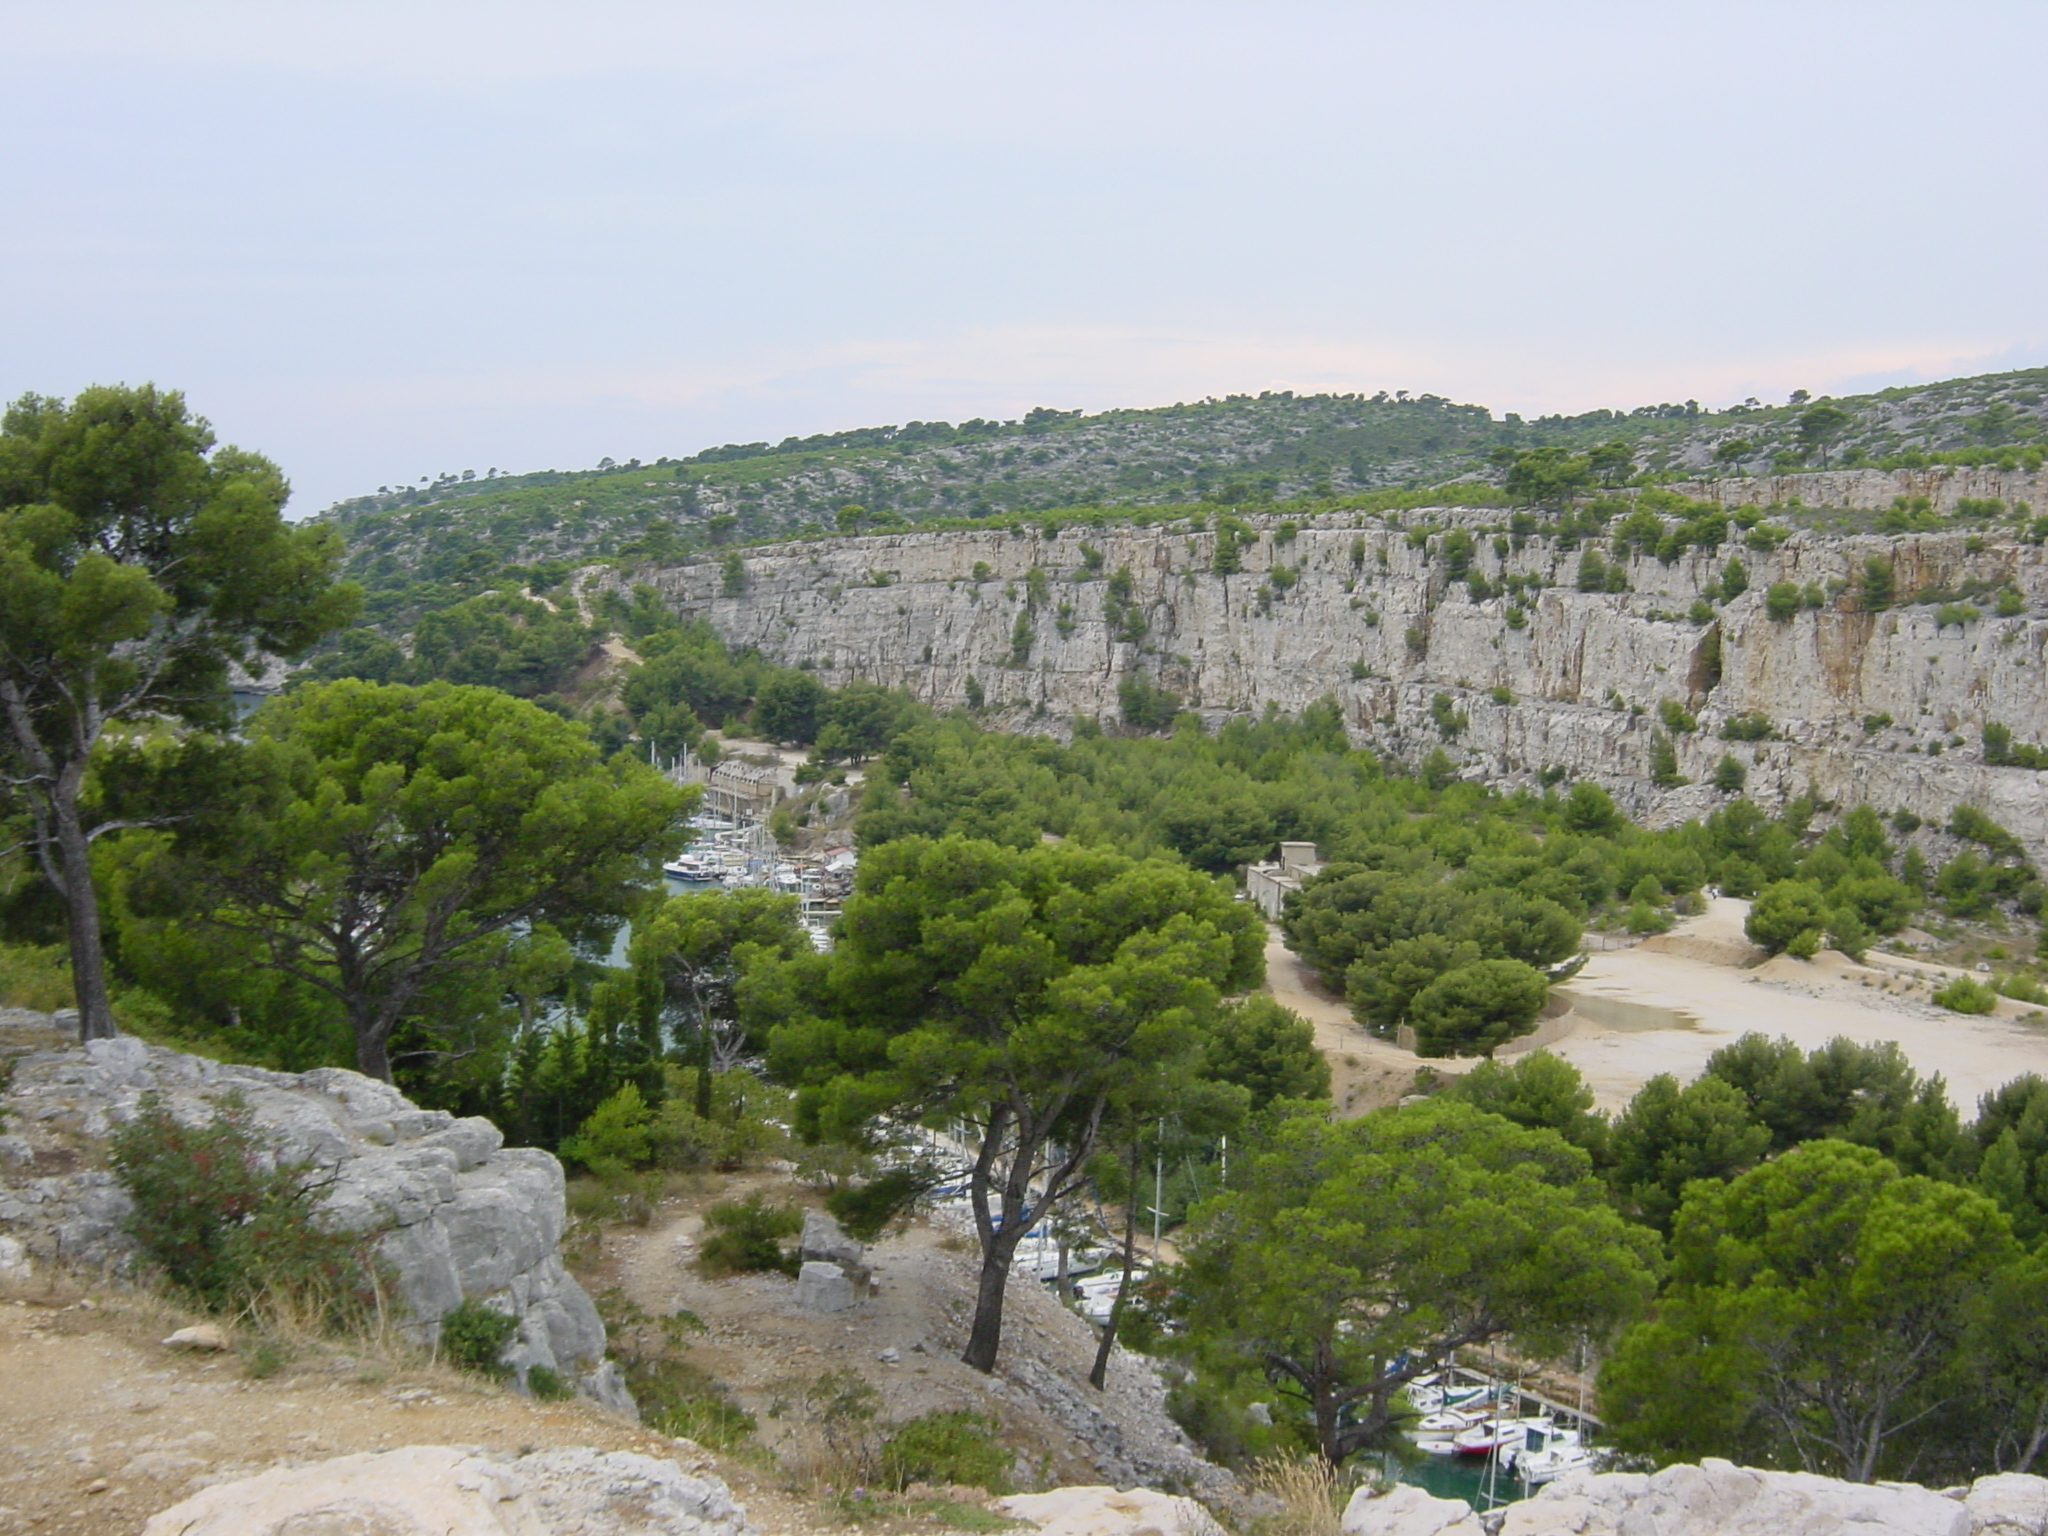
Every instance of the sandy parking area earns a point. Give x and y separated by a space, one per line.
1669 1003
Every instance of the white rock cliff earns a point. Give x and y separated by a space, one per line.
1371 621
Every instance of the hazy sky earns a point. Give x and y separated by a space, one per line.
380 241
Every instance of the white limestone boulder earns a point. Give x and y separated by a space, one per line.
433 1490
1405 1510
1092 1510
460 1216
1718 1498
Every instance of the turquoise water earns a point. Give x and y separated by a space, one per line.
1454 1477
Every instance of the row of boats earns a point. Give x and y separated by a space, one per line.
1484 1419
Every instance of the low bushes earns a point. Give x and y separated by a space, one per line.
947 1446
474 1335
1965 994
746 1236
232 1229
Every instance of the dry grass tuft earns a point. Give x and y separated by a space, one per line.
1308 1494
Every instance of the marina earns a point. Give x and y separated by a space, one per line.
728 854
1487 1440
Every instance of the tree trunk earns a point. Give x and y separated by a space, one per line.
82 922
1098 1377
373 1043
1329 1438
703 1054
986 1337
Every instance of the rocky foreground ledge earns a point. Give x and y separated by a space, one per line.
1718 1498
443 1491
462 1216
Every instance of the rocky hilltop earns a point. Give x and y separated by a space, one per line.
461 1215
1884 707
1275 445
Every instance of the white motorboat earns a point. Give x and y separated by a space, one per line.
1442 1427
1562 1451
1498 1435
693 869
1427 1395
1096 1295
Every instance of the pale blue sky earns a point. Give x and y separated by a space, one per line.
380 241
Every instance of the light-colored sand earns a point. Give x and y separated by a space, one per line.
1810 1002
1366 1073
1669 1003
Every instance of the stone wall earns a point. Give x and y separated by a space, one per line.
1577 687
462 1215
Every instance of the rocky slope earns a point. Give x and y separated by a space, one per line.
1879 707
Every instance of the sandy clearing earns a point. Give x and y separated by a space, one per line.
1366 1073
1810 1002
1668 1004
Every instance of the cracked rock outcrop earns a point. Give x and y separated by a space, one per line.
461 1215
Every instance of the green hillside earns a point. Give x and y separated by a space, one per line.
418 546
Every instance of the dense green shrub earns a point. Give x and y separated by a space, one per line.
2001 751
37 977
1965 994
745 1236
1784 912
1477 1008
1676 717
950 1445
617 1136
747 1121
230 1226
474 1335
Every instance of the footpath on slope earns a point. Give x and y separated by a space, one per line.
104 1425
108 1425
904 1340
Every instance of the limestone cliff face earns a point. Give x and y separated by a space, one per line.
1372 620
